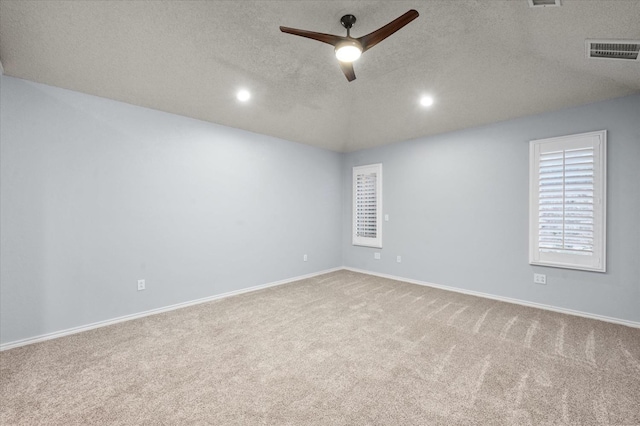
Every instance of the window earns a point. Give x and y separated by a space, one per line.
367 205
568 201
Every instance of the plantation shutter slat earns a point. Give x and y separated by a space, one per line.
561 229
567 193
367 190
366 205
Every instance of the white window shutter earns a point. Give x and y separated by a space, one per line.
567 194
367 206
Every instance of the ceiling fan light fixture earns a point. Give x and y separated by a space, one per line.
348 51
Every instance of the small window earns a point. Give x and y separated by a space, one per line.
568 201
367 205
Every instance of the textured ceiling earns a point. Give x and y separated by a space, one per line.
483 61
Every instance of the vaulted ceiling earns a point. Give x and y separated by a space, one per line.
482 61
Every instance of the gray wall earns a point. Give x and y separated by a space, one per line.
96 194
458 207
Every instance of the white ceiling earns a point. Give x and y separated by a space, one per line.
483 61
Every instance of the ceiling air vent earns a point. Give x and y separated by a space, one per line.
544 3
613 49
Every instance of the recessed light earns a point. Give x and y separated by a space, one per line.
426 101
243 95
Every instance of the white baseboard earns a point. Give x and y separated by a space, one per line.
503 299
80 329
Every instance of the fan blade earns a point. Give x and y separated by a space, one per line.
325 38
371 39
347 69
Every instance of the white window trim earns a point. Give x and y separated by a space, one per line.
365 241
597 262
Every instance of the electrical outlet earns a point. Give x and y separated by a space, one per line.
141 285
399 259
386 218
376 255
304 258
539 278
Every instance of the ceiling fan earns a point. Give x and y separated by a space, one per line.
348 48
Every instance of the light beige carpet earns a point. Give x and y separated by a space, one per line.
341 348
